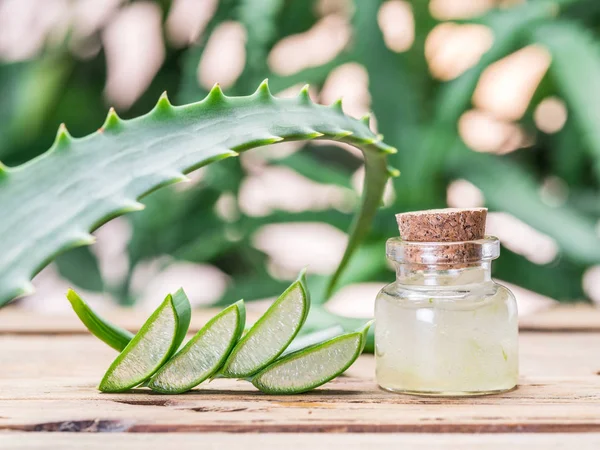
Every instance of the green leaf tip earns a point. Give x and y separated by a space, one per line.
366 119
110 334
365 328
27 288
181 304
388 149
163 106
377 140
257 143
3 170
82 239
337 105
215 96
302 276
364 331
304 95
341 135
112 123
393 172
263 92
313 134
128 206
63 138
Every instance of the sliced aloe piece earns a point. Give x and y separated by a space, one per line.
204 354
116 337
315 337
271 334
156 341
312 367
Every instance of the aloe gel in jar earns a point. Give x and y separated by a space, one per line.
444 327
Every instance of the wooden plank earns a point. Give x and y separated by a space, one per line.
48 383
220 441
575 317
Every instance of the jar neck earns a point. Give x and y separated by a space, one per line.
443 274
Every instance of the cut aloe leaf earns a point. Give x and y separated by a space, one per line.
316 337
156 341
204 354
114 336
312 367
271 334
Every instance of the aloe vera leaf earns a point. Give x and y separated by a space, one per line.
56 199
575 69
320 318
313 338
507 187
312 367
80 266
271 334
203 355
107 332
510 27
151 347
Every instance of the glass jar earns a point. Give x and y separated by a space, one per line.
444 327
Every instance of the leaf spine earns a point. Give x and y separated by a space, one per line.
25 289
82 238
257 142
163 105
366 119
112 122
263 92
63 138
371 141
304 95
337 105
388 149
274 139
342 134
393 172
215 96
131 206
180 178
313 134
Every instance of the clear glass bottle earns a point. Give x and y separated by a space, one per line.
444 327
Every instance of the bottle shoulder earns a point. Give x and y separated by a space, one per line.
421 293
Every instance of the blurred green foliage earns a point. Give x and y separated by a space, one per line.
417 113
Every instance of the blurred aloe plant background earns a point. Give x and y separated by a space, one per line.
490 103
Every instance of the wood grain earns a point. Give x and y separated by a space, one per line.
364 441
47 383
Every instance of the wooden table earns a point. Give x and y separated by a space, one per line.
49 367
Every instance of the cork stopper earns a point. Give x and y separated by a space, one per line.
442 225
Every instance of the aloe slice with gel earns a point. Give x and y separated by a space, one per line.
271 334
315 337
203 355
151 347
114 336
313 366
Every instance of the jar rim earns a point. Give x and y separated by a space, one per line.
449 253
